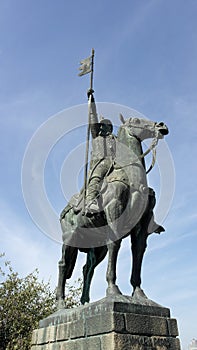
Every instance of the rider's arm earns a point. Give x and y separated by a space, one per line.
93 118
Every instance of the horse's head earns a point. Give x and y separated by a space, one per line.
144 128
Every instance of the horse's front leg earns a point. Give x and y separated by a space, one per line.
94 257
113 249
66 266
138 240
139 237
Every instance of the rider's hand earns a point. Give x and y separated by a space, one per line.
90 93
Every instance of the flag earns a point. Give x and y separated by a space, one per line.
86 66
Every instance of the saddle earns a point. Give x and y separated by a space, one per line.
76 201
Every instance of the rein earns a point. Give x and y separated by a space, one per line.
153 160
143 155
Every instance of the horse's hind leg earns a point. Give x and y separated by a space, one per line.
66 266
94 257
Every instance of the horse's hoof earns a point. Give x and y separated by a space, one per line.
84 301
60 304
139 294
113 290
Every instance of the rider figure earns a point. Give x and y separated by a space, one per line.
102 155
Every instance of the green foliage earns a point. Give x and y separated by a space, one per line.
23 303
73 294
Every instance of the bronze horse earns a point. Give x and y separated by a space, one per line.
127 209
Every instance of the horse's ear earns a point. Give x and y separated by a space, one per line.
122 118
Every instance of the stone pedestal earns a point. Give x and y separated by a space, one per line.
120 323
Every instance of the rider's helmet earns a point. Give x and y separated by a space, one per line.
106 123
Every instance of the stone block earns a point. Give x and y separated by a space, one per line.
104 323
107 341
63 331
51 334
127 342
172 327
167 343
92 343
77 329
34 337
53 346
42 336
146 325
121 341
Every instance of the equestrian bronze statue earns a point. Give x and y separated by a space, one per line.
115 202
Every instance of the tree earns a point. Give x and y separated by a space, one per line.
23 303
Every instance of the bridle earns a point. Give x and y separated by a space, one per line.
151 148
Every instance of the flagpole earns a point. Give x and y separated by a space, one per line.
88 135
92 71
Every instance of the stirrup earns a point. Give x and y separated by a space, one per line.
92 207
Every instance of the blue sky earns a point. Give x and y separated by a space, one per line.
146 54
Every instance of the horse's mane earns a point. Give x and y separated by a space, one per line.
121 133
122 137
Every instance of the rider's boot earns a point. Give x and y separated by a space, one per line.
92 203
